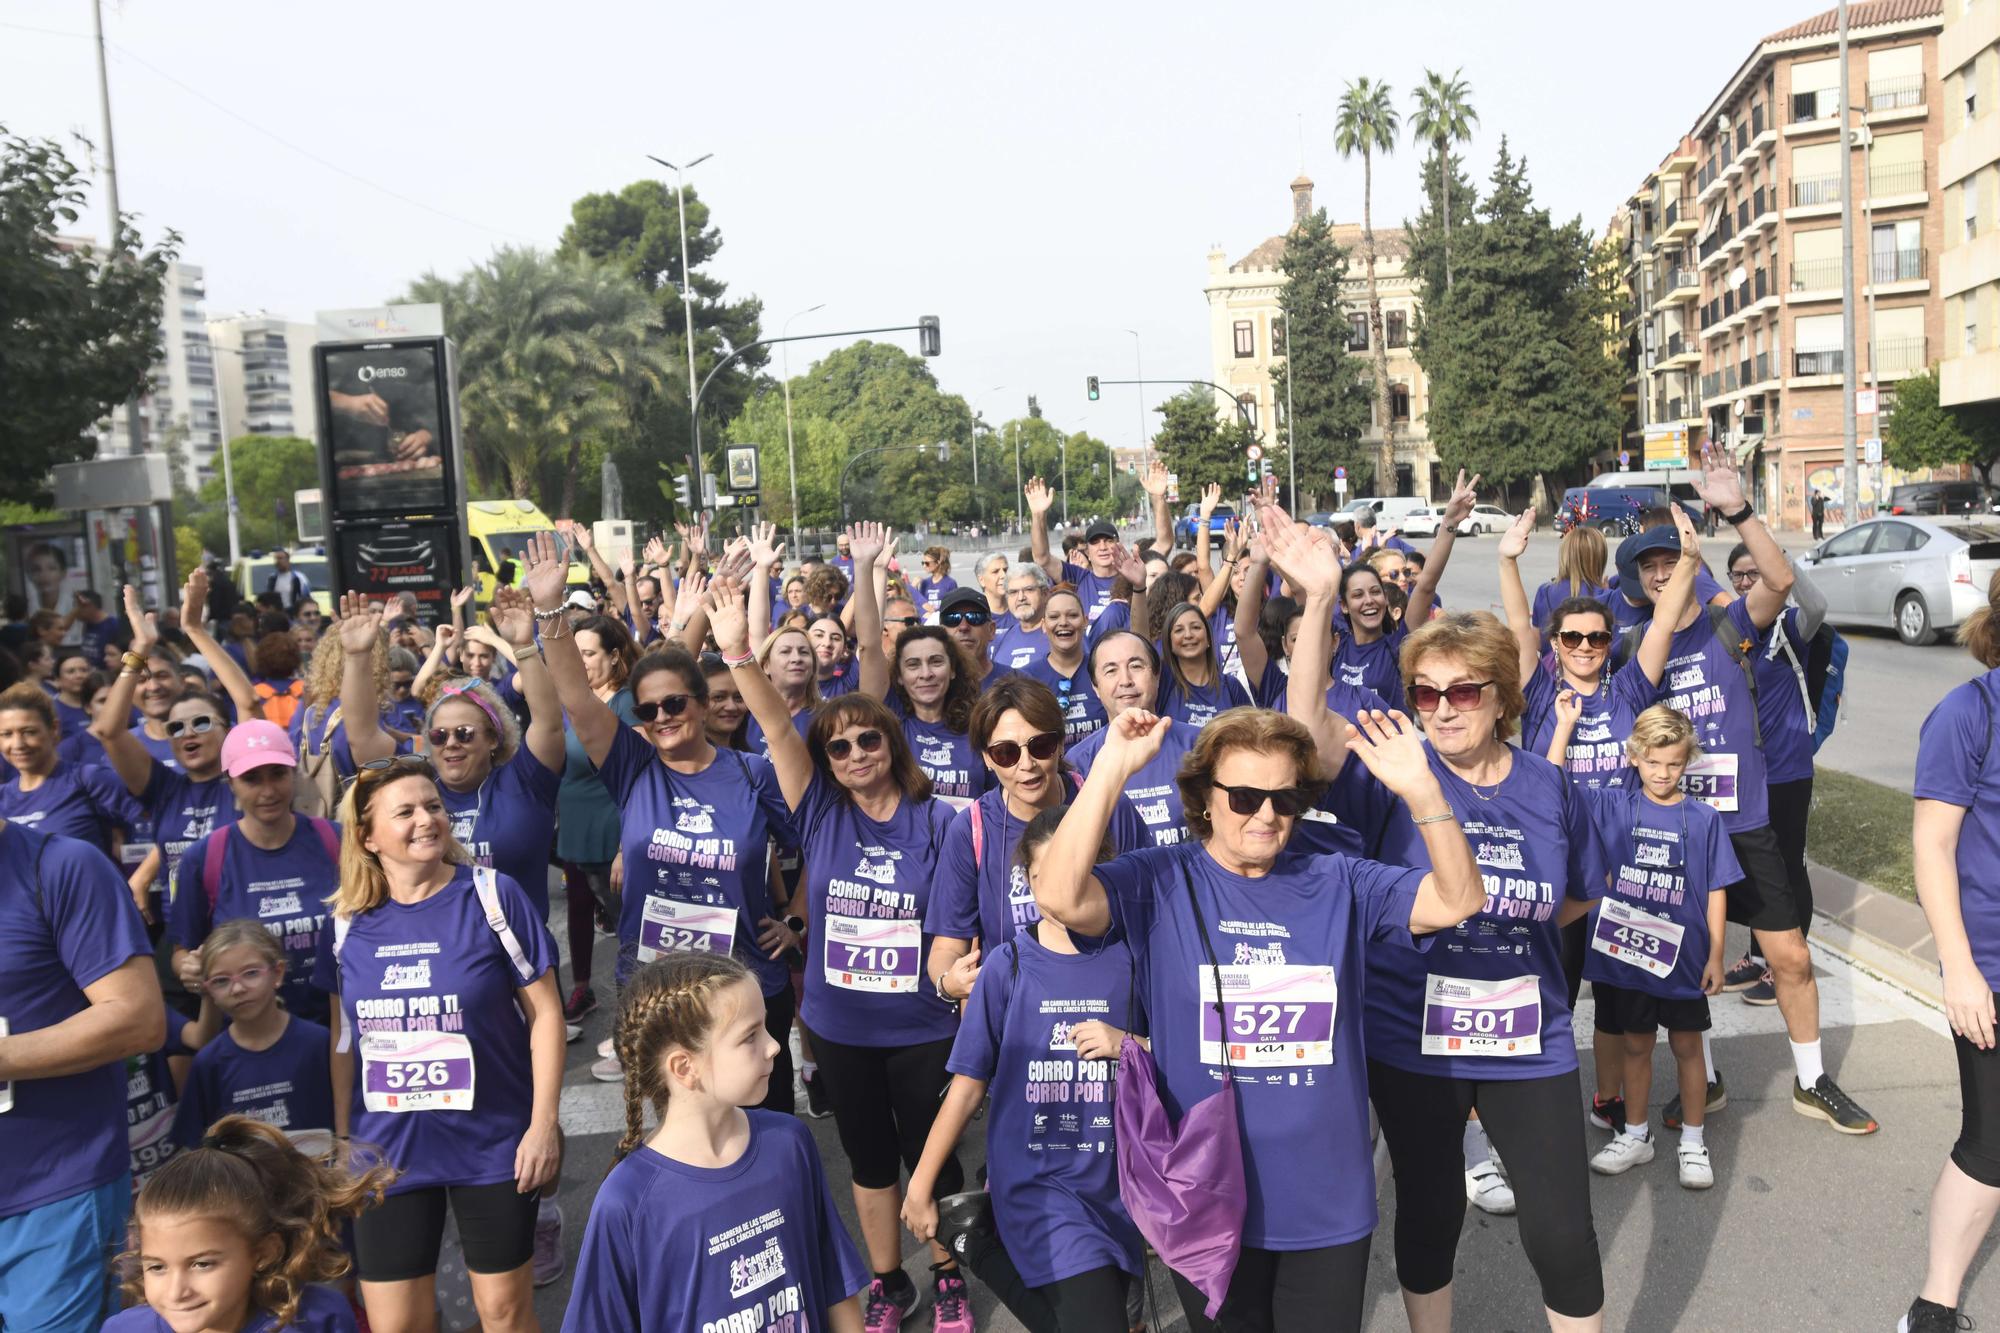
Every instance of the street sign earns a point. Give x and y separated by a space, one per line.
1624 459
1256 451
1340 474
1339 482
1865 404
1872 449
1666 448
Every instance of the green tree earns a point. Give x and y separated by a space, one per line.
555 355
267 469
1367 124
1443 117
1198 448
1328 401
1426 232
78 335
638 230
1923 433
1520 379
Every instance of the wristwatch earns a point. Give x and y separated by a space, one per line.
796 924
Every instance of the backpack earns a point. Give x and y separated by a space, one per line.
1822 677
316 794
278 706
1726 633
218 844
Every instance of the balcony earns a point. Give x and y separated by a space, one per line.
1891 180
1712 247
1680 218
1680 284
1763 209
1897 266
1895 94
1816 275
1900 356
1761 369
1828 361
1729 379
1813 190
1823 104
1711 384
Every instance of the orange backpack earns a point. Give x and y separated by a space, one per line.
278 705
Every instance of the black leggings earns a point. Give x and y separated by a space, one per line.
1273 1289
1791 808
778 1009
884 1100
1575 949
1977 1152
398 1239
1536 1124
1091 1302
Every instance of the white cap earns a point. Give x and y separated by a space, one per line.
582 600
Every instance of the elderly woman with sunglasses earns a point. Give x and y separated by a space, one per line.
1250 958
870 827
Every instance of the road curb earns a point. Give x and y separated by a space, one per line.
1878 930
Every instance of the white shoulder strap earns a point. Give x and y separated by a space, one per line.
488 887
340 928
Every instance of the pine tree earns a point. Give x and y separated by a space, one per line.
1329 400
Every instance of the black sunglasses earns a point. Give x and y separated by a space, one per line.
462 734
415 763
1006 754
671 706
1463 696
954 618
1576 638
904 621
840 747
200 726
1286 802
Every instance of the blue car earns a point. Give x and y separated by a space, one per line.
1187 527
1614 510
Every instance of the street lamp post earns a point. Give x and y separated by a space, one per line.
791 453
687 308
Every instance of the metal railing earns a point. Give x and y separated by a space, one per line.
1679 278
1817 105
1893 94
1900 355
1756 120
1828 361
1728 303
1711 384
1896 178
1815 190
1760 284
1896 265
1815 274
1744 377
1706 176
1762 368
1761 201
1676 344
1742 216
1729 379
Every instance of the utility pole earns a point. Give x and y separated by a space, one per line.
687 308
1850 477
133 442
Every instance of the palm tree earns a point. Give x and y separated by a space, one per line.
1444 116
1367 125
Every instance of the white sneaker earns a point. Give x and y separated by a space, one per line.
1696 1173
1488 1190
604 1048
608 1070
572 1032
1622 1154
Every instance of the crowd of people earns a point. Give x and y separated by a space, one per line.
1182 876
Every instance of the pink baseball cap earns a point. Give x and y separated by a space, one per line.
254 744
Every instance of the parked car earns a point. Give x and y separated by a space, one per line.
1919 576
1187 525
1486 518
1615 510
1944 497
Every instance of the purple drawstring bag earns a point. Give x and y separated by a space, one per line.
1183 1184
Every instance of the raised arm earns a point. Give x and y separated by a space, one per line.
1514 597
1810 601
194 624
1310 566
546 572
513 617
124 1017
1393 749
360 629
600 568
768 556
1423 593
1154 479
1721 489
1658 641
730 620
442 653
1066 889
1039 498
1250 612
1217 586
129 759
873 546
1211 496
1568 711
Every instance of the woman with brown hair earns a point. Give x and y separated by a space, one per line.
932 692
937 580
1277 1028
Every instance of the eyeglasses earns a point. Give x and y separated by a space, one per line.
1576 638
953 619
840 747
1286 802
249 976
904 621
462 734
200 726
1463 696
1397 575
673 705
1006 754
1740 577
414 763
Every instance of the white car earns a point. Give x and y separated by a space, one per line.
1483 518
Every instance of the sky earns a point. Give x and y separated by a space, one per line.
1041 177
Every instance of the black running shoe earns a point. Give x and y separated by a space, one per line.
1608 1114
1718 1097
1930 1317
817 1104
1744 973
1825 1101
1763 991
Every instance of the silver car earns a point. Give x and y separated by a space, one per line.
1919 576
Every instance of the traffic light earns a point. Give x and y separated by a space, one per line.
683 492
1091 385
928 338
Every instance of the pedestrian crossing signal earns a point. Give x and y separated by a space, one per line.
1091 385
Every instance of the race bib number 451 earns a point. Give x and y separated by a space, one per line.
1712 778
1273 1015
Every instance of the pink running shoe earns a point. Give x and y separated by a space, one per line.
884 1313
952 1310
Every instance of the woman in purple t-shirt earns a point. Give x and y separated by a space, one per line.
932 691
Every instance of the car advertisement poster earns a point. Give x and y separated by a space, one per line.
385 560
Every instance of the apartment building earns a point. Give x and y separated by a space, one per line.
1740 280
1247 338
1658 225
264 369
1969 171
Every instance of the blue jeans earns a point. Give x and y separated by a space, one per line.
55 1260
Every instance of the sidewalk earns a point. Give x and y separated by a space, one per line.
1878 930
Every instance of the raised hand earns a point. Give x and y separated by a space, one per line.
1154 478
360 623
763 549
194 600
546 562
1569 707
1464 494
513 615
1038 496
687 600
865 542
1514 544
1393 749
1211 496
1135 737
656 553
737 563
1127 563
728 617
888 557
462 598
145 625
1309 565
444 639
1717 482
1684 527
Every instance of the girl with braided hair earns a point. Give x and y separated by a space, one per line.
721 1218
233 1235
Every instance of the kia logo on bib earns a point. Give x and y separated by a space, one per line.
367 373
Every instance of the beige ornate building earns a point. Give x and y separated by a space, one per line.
1247 337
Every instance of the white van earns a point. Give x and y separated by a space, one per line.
1391 510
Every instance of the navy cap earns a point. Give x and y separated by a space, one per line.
964 598
1663 538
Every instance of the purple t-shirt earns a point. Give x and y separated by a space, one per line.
697 853
1349 818
1535 845
1781 707
946 756
756 1244
287 1085
1665 860
758 744
987 895
1706 683
1015 648
1595 756
1050 1155
931 591
1083 711
1197 705
449 1070
1373 666
1290 949
509 822
1153 792
321 1310
868 883
1093 590
284 891
184 811
1957 764
66 922
85 802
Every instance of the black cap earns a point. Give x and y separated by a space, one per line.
964 598
1101 527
